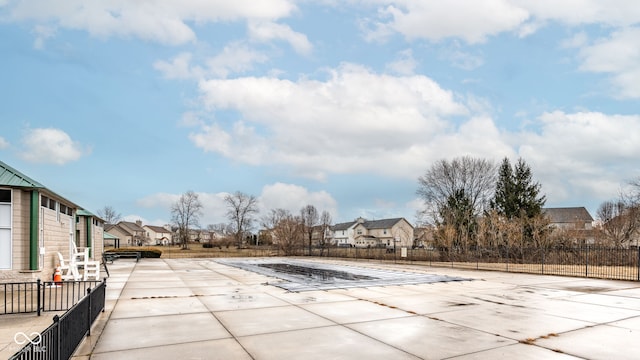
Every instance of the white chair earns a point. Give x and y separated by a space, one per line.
80 255
69 270
92 270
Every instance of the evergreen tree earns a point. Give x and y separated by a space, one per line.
517 195
527 191
503 201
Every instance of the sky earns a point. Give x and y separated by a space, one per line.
337 104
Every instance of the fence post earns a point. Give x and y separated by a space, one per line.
586 262
638 264
543 260
104 304
58 344
38 295
89 312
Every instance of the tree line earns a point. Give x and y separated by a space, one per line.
288 230
469 203
472 202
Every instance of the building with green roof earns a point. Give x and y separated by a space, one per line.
36 223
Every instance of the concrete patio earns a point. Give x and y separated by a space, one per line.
202 309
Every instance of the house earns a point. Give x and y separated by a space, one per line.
575 221
395 232
342 234
159 235
35 224
129 233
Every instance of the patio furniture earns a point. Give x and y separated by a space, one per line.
69 269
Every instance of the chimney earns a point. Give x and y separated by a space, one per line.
139 222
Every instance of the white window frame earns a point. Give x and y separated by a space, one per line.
10 228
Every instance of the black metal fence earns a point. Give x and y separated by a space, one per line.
38 296
61 338
585 261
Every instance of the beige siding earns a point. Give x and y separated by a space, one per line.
98 240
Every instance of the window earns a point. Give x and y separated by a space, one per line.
44 201
5 196
5 229
66 210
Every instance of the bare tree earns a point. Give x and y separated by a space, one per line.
474 178
185 213
325 225
620 221
241 209
633 194
109 215
310 219
455 194
286 230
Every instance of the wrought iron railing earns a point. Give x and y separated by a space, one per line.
583 261
37 296
60 339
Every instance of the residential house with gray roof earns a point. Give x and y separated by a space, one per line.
575 221
374 233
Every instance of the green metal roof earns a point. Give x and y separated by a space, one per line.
106 235
12 177
83 212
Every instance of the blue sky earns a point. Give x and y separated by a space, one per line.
339 104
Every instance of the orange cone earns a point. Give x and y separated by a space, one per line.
57 276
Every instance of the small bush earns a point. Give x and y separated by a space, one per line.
144 251
207 246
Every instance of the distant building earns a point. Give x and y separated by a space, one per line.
129 233
575 221
159 235
373 233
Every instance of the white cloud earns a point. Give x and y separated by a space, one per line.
213 205
278 195
352 122
267 31
3 143
405 64
475 21
42 34
179 67
472 21
164 21
618 55
576 12
582 154
294 197
461 58
576 41
234 58
49 145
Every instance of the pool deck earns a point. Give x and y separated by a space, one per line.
202 309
